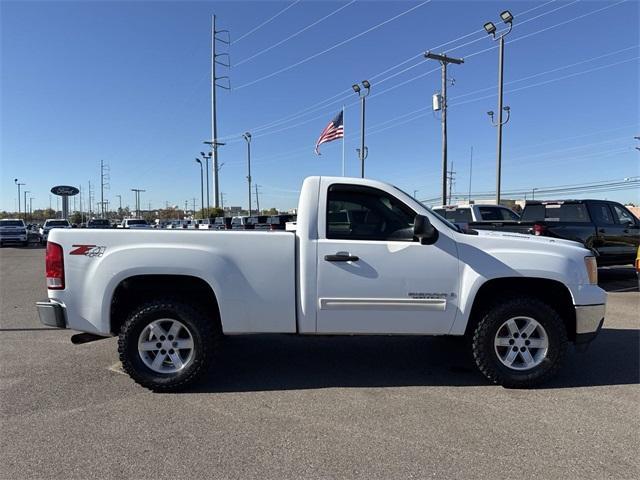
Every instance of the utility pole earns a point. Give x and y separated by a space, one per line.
120 203
490 28
444 61
257 200
19 185
362 151
451 177
214 83
247 137
194 208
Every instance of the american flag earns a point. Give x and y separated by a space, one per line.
333 131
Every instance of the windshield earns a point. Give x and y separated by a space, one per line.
11 223
56 223
136 222
98 222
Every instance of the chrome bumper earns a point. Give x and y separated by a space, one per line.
589 318
52 314
589 321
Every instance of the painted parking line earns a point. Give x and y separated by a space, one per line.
626 289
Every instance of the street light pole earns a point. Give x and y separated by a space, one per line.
201 188
362 151
247 137
206 158
25 203
490 28
19 184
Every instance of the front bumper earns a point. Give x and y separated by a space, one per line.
52 314
589 321
13 238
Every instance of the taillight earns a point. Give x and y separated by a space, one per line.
54 267
539 229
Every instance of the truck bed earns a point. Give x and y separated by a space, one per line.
252 273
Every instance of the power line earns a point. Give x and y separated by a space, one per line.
293 35
329 49
323 104
269 20
302 113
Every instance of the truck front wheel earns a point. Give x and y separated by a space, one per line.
519 343
166 346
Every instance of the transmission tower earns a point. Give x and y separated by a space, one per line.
105 177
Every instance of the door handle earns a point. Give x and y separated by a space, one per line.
341 257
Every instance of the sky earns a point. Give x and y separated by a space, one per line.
127 82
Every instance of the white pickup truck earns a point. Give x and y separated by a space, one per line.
366 258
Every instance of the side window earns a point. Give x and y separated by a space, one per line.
601 214
365 213
497 214
624 216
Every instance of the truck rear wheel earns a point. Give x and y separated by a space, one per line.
166 346
519 343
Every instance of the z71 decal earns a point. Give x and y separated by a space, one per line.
88 250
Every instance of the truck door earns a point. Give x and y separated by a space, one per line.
372 276
610 236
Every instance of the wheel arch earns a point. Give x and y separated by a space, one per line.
138 289
552 292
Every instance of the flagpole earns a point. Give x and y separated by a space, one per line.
343 138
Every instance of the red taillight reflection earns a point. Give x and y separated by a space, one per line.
54 267
539 229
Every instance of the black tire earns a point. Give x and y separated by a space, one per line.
484 350
204 330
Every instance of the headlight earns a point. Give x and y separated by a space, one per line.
592 269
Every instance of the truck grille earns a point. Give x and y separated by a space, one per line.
12 232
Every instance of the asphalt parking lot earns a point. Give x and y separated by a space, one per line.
287 407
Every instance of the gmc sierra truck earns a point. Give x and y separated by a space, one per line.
365 258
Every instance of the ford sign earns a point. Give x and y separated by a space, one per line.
65 190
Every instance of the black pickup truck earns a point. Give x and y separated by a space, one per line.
605 227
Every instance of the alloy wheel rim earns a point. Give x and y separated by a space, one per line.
521 343
166 346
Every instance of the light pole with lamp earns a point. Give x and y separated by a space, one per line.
201 190
491 29
207 157
15 180
362 151
247 137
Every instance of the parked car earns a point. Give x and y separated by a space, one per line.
98 223
279 222
222 223
13 231
484 216
366 258
607 228
51 224
239 223
136 223
257 222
